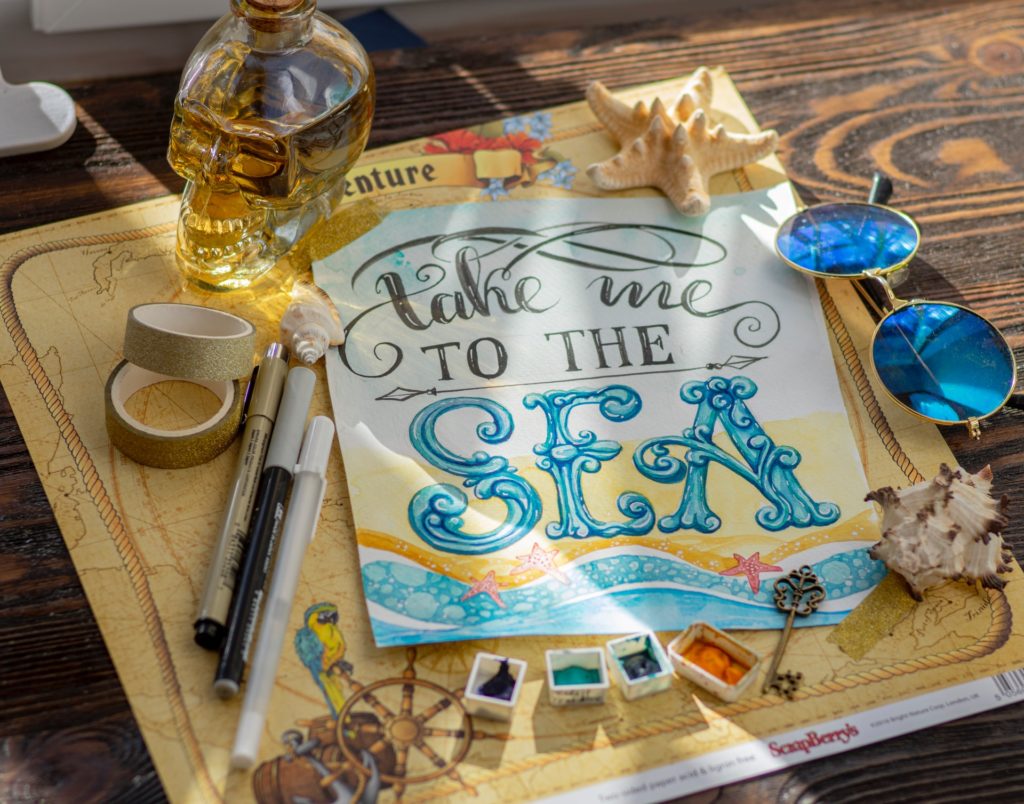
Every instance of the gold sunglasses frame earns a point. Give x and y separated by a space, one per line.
825 275
877 276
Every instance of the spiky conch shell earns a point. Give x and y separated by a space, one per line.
947 528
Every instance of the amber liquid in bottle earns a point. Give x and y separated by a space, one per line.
274 108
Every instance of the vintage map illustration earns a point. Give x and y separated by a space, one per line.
350 720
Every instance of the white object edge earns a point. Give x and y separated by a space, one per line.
34 117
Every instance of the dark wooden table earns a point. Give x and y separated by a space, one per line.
931 91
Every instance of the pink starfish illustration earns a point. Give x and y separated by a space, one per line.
752 568
487 585
543 560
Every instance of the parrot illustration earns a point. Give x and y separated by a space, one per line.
321 647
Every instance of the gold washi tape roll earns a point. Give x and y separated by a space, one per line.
188 342
169 449
167 341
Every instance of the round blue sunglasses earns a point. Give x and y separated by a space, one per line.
940 361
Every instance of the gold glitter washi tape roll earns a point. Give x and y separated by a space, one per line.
189 342
169 449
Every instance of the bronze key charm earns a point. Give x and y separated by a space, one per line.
800 592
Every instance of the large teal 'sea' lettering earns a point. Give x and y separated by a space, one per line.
435 512
766 466
566 456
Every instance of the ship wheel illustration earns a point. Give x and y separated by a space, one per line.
421 725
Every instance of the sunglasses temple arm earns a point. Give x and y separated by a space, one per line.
881 189
1016 400
875 291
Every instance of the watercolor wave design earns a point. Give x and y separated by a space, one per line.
606 594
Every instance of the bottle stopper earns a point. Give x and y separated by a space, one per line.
278 6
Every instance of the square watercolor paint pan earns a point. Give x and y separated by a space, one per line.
732 647
624 650
567 664
485 667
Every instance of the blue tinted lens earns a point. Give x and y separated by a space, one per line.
944 362
847 239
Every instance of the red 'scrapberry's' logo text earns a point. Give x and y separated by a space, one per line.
812 740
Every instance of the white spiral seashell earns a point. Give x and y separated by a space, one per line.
311 323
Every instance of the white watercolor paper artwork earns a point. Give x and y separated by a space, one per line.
590 416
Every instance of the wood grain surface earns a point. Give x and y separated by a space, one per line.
931 92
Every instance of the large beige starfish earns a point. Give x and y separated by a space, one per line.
671 147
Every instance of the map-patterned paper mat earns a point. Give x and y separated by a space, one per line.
140 539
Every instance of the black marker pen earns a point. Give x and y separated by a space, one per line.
268 513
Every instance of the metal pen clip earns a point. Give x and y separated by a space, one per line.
248 395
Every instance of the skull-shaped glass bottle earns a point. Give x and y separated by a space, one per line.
274 107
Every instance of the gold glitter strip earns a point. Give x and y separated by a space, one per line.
878 614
